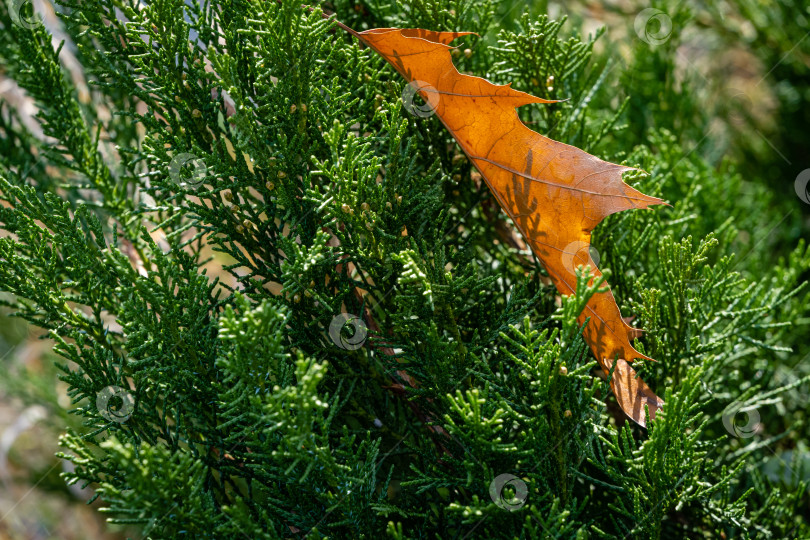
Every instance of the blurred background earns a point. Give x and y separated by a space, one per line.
740 93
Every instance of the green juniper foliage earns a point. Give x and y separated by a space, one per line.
215 183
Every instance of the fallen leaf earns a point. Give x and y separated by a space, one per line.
555 193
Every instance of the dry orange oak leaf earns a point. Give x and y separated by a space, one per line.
556 194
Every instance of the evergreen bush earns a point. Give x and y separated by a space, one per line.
284 306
